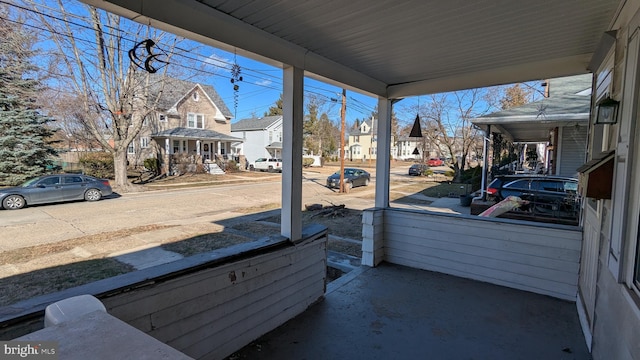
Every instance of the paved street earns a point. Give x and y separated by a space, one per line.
52 223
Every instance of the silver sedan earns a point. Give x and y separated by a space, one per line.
54 188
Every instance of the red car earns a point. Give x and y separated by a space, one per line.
435 162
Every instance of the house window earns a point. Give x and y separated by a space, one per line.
176 146
162 117
195 96
270 137
144 142
130 148
195 121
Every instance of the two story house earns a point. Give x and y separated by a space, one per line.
262 137
190 120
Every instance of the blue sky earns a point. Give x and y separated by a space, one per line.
262 84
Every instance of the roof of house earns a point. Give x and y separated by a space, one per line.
567 95
356 130
199 134
250 124
175 89
569 103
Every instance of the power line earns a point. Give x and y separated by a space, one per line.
266 77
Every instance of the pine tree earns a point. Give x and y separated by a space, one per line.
25 150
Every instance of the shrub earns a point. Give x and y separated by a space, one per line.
151 164
306 162
449 173
232 166
98 164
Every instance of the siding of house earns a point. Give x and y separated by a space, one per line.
541 259
202 106
573 147
256 140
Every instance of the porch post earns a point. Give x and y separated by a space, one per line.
384 152
166 161
198 147
485 162
292 108
218 144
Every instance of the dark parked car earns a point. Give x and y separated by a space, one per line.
418 169
352 178
547 196
54 188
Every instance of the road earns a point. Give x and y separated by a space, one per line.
48 224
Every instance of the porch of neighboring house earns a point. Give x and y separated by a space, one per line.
181 152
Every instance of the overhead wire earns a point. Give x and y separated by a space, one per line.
260 81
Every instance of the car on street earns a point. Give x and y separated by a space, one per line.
54 188
352 178
418 169
270 165
546 196
435 162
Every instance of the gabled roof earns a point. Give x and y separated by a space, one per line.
199 134
356 130
175 90
253 124
569 103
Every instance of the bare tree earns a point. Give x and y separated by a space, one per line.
447 123
114 93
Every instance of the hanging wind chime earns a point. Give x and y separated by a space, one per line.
236 70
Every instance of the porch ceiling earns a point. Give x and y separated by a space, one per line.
394 49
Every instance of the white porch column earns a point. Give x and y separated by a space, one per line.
219 145
167 146
292 108
384 151
198 147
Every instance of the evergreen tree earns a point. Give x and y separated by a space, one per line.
276 109
25 148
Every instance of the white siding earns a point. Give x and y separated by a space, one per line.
214 312
573 149
541 259
208 305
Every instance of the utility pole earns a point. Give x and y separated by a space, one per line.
343 114
372 140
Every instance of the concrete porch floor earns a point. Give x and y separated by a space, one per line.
396 312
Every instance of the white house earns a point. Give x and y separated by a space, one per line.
262 137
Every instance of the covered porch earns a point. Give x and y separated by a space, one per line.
394 52
398 312
197 146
